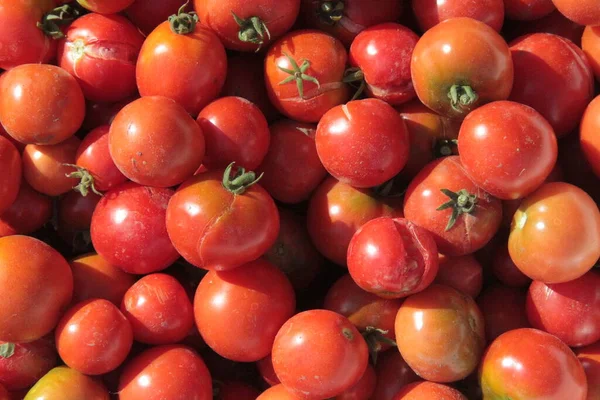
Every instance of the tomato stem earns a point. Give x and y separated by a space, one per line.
86 180
461 96
331 12
355 78
444 147
241 181
297 73
55 18
252 30
183 23
7 350
375 337
461 202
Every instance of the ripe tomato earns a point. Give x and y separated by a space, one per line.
128 228
428 391
105 7
267 372
554 23
158 309
590 145
277 392
555 214
234 130
148 14
589 356
502 315
310 347
429 13
459 65
590 43
12 172
463 273
392 257
182 47
470 221
362 143
23 364
528 10
499 157
28 213
505 270
292 166
583 12
40 104
552 76
304 72
154 142
171 371
363 389
18 145
67 384
393 373
47 168
37 284
232 390
74 217
204 211
531 364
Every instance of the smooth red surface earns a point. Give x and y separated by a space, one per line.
363 389
503 310
28 364
583 12
29 212
463 273
528 10
505 270
429 391
148 14
393 373
589 356
12 173
431 12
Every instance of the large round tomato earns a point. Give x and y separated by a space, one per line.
23 364
362 143
105 7
583 12
148 14
28 213
527 10
428 391
429 13
459 65
590 43
40 104
588 129
65 383
12 172
555 233
463 273
530 364
502 315
37 285
393 373
589 356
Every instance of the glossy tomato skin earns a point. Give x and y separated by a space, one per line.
507 148
502 315
383 53
569 310
552 214
336 211
590 145
530 364
200 217
10 180
424 196
392 257
101 51
332 341
362 143
463 273
103 7
589 356
170 371
443 58
428 391
40 104
393 373
363 389
326 57
158 309
67 384
38 285
154 142
195 82
29 362
128 228
552 76
585 12
148 14
28 213
429 13
590 43
528 10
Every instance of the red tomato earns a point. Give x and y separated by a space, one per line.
148 14
267 372
304 72
292 166
471 218
499 157
74 217
463 273
171 371
589 357
173 63
531 364
277 392
590 144
234 130
128 228
503 309
256 298
101 51
554 23
105 7
577 169
23 364
40 104
309 349
459 65
18 145
362 143
158 309
428 391
232 390
528 10
65 383
590 43
37 284
393 373
28 213
555 214
505 270
363 389
382 53
552 76
583 12
392 257
204 211
154 142
12 172
429 13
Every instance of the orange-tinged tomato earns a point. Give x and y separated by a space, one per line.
65 383
589 356
590 43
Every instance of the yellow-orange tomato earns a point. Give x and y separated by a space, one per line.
590 43
588 130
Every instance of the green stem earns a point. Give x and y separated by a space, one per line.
331 12
375 337
298 74
444 147
183 23
252 30
86 180
461 96
461 202
355 78
57 17
241 181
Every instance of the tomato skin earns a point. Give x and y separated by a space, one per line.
590 43
585 12
234 130
257 298
154 142
18 145
327 58
195 82
552 214
40 104
429 13
363 389
428 391
528 10
170 371
588 137
328 336
393 373
101 51
362 143
28 213
67 384
554 23
10 180
98 113
463 273
200 217
158 309
232 390
38 284
530 364
74 217
440 334
505 270
28 364
443 58
128 228
589 356
552 76
267 372
277 392
104 7
505 315
148 14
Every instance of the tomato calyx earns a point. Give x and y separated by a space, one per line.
240 181
55 18
252 30
86 180
461 202
7 350
444 147
355 78
375 337
331 12
183 23
461 96
297 73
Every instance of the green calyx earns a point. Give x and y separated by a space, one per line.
375 337
55 18
86 180
331 12
183 23
298 74
461 96
7 350
444 147
240 181
355 78
252 30
461 202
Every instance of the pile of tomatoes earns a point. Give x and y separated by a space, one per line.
299 200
